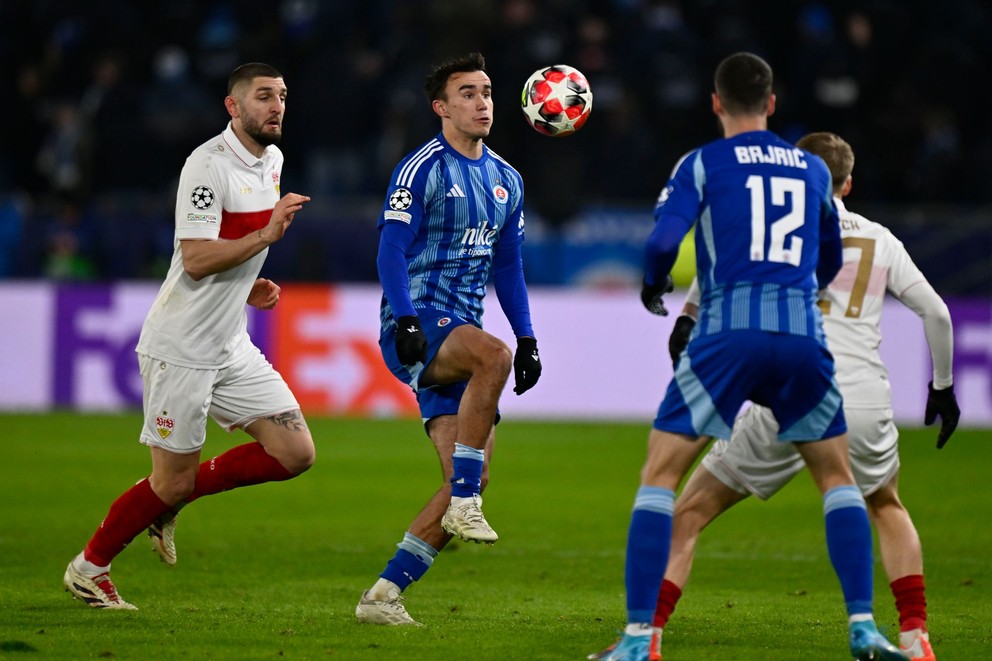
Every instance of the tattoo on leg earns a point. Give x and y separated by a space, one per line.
292 420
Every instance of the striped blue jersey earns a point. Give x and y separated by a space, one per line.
763 208
461 211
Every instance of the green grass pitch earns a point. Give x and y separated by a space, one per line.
274 571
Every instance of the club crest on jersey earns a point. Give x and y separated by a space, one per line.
164 426
500 194
400 200
202 197
275 181
443 321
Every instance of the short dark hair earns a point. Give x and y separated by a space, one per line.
744 83
834 151
248 72
437 79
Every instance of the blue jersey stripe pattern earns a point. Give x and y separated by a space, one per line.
760 204
460 210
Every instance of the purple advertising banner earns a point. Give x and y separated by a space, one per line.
973 359
72 347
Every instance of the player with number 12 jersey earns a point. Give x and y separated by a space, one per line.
768 239
766 278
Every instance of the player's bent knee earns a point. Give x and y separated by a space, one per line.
299 457
173 489
497 359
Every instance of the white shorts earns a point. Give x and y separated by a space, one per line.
755 461
177 400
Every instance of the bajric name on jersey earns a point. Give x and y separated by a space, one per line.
772 155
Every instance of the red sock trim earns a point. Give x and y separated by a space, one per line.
240 466
132 512
668 597
911 602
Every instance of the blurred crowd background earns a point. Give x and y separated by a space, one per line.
104 100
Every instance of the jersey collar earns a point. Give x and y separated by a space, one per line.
457 154
240 150
840 205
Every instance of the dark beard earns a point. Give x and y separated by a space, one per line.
258 134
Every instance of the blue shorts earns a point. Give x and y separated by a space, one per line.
435 400
793 375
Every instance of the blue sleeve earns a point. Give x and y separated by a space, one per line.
511 290
675 212
831 249
394 240
663 247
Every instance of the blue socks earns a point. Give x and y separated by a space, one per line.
412 560
648 544
849 544
467 478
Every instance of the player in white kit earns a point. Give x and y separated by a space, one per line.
755 462
196 358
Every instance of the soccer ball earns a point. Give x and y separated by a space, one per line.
556 100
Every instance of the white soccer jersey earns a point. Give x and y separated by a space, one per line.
224 193
875 261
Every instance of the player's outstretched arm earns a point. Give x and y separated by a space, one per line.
203 257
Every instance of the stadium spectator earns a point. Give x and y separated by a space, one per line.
768 233
452 221
194 351
753 461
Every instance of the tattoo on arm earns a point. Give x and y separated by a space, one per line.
292 420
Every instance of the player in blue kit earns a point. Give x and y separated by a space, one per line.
452 222
768 238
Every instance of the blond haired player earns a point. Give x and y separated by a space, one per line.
753 461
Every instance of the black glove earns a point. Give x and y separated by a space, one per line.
945 404
411 343
651 296
679 339
526 365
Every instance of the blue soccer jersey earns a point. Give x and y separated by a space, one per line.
768 229
463 216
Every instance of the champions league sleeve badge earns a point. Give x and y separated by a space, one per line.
202 197
400 200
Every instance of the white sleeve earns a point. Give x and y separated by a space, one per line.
924 301
694 295
200 198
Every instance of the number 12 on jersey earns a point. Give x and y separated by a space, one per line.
779 249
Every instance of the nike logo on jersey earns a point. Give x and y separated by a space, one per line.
455 191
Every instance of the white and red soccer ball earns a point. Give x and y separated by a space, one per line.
556 100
